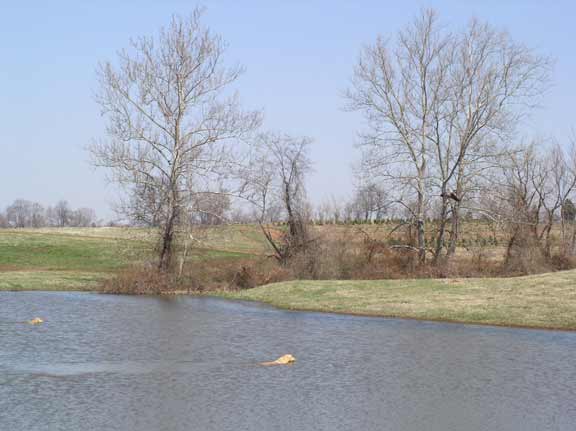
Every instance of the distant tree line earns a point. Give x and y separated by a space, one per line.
27 214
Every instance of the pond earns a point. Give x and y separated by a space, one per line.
103 362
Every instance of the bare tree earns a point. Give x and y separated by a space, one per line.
322 213
397 91
37 215
370 203
535 182
83 217
493 83
329 211
3 221
276 179
62 213
19 213
170 122
143 205
568 211
23 214
336 211
521 204
554 181
437 104
210 208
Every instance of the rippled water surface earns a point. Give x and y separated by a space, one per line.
135 363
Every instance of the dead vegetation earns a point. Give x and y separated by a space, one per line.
341 252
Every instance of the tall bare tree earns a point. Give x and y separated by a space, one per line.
437 103
493 83
397 91
171 122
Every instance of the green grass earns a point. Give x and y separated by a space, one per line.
50 280
22 250
245 239
79 258
544 301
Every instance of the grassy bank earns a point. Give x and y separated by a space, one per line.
543 301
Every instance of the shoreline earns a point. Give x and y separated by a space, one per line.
544 301
391 317
232 296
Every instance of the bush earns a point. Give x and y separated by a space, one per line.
140 280
524 255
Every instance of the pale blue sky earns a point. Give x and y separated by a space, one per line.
299 57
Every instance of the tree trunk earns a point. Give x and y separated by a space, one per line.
455 230
420 229
421 212
297 239
167 246
421 242
441 229
547 240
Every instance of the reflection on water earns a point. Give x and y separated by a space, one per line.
135 363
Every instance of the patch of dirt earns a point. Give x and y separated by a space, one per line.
12 268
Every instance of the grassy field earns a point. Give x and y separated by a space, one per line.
57 259
543 301
79 259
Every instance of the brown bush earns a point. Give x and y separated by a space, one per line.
244 278
326 258
197 276
346 257
524 254
563 261
140 280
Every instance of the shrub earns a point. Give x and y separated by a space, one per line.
140 280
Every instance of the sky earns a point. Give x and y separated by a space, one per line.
299 57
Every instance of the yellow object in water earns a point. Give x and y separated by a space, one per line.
282 360
35 321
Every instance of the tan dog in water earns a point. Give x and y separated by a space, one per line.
35 321
282 360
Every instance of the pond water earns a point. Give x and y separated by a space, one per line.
104 362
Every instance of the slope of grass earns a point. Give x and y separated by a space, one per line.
78 258
60 252
50 280
544 301
53 259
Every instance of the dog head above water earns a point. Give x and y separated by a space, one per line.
286 359
282 360
35 321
